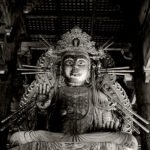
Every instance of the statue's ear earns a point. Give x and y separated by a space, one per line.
89 76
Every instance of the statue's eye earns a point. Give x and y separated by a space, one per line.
69 62
81 62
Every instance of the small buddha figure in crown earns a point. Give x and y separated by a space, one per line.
76 100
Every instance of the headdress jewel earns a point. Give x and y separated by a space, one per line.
76 40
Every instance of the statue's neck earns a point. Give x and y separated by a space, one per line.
75 84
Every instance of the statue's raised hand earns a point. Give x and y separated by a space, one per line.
44 95
44 89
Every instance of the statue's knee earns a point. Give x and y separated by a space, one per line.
133 144
14 138
18 138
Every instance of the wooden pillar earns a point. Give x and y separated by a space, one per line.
144 94
141 51
143 101
142 90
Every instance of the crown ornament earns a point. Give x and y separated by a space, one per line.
76 40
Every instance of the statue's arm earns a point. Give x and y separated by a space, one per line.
39 95
106 113
117 95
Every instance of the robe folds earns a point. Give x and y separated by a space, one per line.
35 140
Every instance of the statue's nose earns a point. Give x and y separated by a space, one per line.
75 68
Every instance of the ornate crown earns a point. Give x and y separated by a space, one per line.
76 40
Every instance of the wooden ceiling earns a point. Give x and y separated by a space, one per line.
103 19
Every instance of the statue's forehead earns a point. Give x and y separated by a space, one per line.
76 56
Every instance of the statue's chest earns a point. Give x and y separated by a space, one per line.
74 102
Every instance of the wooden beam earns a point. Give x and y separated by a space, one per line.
71 16
27 46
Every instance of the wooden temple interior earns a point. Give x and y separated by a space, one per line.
122 26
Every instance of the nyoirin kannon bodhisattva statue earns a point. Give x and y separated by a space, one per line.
80 107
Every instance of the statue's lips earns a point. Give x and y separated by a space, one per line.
73 75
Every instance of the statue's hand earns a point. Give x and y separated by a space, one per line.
44 94
109 122
44 89
115 125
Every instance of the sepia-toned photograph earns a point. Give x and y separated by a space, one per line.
74 74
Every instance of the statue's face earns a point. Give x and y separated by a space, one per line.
76 69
